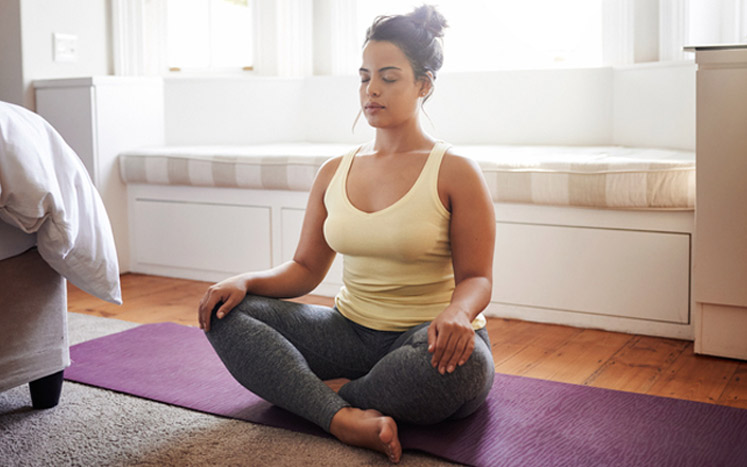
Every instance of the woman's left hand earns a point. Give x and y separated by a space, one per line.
451 340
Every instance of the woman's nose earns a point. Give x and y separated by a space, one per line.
372 89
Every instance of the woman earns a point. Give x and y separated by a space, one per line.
415 225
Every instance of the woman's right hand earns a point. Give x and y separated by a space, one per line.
229 292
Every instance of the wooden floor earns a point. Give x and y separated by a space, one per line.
648 365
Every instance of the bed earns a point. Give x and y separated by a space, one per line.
594 237
53 228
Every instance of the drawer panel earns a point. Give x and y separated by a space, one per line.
634 274
211 237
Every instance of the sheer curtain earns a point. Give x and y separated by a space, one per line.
700 22
281 36
139 37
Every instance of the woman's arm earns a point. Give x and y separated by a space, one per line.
472 235
294 278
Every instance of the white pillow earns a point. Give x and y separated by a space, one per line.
44 188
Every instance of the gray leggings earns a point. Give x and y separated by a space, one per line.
282 351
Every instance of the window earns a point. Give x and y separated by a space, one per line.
500 34
301 37
209 35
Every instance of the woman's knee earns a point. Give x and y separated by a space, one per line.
257 306
254 306
234 325
411 390
471 383
480 365
480 370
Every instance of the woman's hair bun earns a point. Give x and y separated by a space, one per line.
418 34
428 18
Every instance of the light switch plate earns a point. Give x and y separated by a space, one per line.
65 47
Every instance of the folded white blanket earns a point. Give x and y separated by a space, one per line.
44 188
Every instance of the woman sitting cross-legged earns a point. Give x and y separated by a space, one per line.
415 225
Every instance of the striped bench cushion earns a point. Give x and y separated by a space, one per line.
601 177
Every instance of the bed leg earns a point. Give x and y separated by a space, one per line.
45 392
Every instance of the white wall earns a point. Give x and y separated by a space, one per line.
233 110
511 107
654 105
547 107
26 52
641 105
330 106
11 76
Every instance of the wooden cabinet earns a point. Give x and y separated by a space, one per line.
720 269
99 117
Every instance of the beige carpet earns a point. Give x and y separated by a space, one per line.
93 426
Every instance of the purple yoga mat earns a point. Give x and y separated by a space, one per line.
525 421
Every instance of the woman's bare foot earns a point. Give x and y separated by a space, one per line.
368 429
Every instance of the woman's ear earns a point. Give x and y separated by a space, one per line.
426 84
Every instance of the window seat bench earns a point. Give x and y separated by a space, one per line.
595 237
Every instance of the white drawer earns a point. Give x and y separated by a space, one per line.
204 236
625 273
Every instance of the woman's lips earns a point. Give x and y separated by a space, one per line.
373 107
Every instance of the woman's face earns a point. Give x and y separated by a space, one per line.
389 93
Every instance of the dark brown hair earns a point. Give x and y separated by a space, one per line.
418 34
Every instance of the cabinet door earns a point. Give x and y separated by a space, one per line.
623 273
721 206
71 112
208 237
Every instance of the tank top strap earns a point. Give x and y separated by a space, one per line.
347 160
433 164
344 168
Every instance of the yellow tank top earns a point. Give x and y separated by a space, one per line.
397 267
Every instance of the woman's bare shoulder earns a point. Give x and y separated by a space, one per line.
325 173
460 168
460 178
329 167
